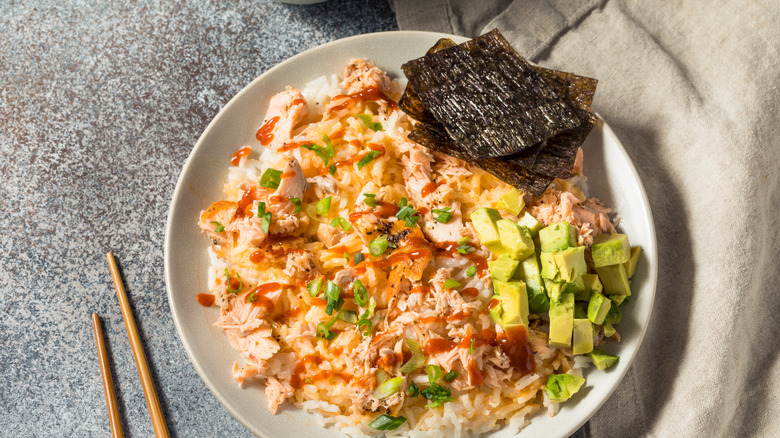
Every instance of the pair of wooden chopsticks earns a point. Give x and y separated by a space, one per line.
158 421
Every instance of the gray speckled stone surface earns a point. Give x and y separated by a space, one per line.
100 104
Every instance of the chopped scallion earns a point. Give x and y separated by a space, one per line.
323 207
361 294
219 228
332 169
471 271
417 359
359 257
227 282
388 387
451 283
341 222
413 390
297 203
452 375
442 215
271 178
378 246
314 286
369 123
434 373
387 422
370 199
369 157
348 316
333 294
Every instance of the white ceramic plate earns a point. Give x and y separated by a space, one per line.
611 177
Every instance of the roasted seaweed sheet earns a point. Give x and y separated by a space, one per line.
534 167
488 97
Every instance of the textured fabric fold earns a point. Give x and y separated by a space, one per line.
694 95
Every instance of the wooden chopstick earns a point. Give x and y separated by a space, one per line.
155 411
108 383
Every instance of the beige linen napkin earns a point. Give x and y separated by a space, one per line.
692 90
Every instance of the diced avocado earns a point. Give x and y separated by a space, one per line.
497 310
561 387
610 249
632 261
512 201
514 301
571 263
561 321
517 243
608 329
579 312
582 340
538 302
503 268
601 359
484 220
618 299
531 223
528 271
598 308
549 266
592 283
554 289
557 237
577 287
614 279
614 315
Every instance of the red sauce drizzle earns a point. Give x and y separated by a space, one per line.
241 153
476 377
400 256
297 102
438 345
266 132
259 293
292 145
429 188
288 174
470 292
430 319
356 143
370 93
515 342
257 256
247 199
450 249
420 289
296 380
205 300
383 209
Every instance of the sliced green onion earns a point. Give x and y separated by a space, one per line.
369 157
464 239
297 203
227 282
403 203
407 213
348 316
387 422
417 359
443 215
219 228
265 217
437 394
323 207
378 246
364 322
341 222
271 178
464 248
434 373
324 333
361 294
370 199
369 123
333 294
359 257
452 375
314 286
332 169
413 390
252 297
388 387
451 283
325 153
471 271
471 347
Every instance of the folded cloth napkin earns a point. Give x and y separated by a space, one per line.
692 89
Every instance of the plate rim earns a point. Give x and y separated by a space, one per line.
652 276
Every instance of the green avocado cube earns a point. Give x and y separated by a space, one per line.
618 299
577 287
571 263
614 316
592 283
503 268
561 321
582 338
528 271
610 249
530 222
549 266
517 242
598 308
601 359
484 220
512 201
557 237
614 279
497 310
560 387
554 289
632 261
608 329
579 312
514 302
